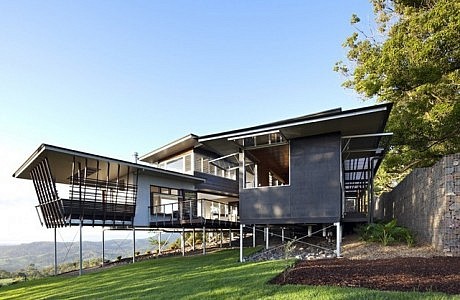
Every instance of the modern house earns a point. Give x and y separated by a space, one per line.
312 170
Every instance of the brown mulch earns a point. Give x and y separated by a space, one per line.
435 274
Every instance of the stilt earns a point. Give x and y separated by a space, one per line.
310 230
241 243
254 236
324 230
80 272
182 242
267 244
103 247
204 240
221 237
230 236
282 235
159 243
55 253
134 245
193 240
338 238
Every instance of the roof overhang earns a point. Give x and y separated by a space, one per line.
61 158
178 146
361 121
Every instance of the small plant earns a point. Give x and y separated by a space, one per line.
119 258
137 253
386 233
288 250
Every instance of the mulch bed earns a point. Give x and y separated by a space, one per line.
437 274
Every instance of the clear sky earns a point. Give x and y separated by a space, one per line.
115 77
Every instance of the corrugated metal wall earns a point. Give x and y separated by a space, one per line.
313 195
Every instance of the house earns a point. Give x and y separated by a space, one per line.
312 170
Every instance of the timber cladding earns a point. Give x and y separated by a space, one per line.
427 201
313 195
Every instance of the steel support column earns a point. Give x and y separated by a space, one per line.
193 239
159 243
230 238
221 238
80 271
338 238
103 247
241 243
134 245
55 253
182 241
254 236
267 239
204 240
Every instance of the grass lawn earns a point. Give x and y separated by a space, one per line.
213 276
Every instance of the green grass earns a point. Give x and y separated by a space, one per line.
214 276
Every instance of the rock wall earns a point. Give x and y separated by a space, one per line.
428 202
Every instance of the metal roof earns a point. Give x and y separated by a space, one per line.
177 146
362 121
60 159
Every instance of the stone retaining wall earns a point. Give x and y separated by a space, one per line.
428 202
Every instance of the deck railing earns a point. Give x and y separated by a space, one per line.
193 212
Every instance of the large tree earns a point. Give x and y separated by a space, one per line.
411 59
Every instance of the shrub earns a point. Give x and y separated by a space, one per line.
386 233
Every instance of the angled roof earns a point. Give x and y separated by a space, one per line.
177 146
61 158
361 121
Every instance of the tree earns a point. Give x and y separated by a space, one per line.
412 59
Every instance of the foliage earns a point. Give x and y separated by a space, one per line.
386 233
198 237
289 248
217 275
413 61
5 274
154 242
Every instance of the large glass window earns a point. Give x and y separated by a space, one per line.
164 199
266 160
175 165
225 166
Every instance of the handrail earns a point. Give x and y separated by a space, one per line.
191 210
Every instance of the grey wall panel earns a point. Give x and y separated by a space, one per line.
313 195
265 203
315 176
217 184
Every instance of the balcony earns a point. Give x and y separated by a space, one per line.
194 214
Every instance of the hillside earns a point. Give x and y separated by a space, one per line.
41 254
217 275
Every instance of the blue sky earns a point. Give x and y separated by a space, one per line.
115 77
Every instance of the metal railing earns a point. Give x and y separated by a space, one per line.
193 212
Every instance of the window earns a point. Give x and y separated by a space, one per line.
266 161
164 199
176 165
